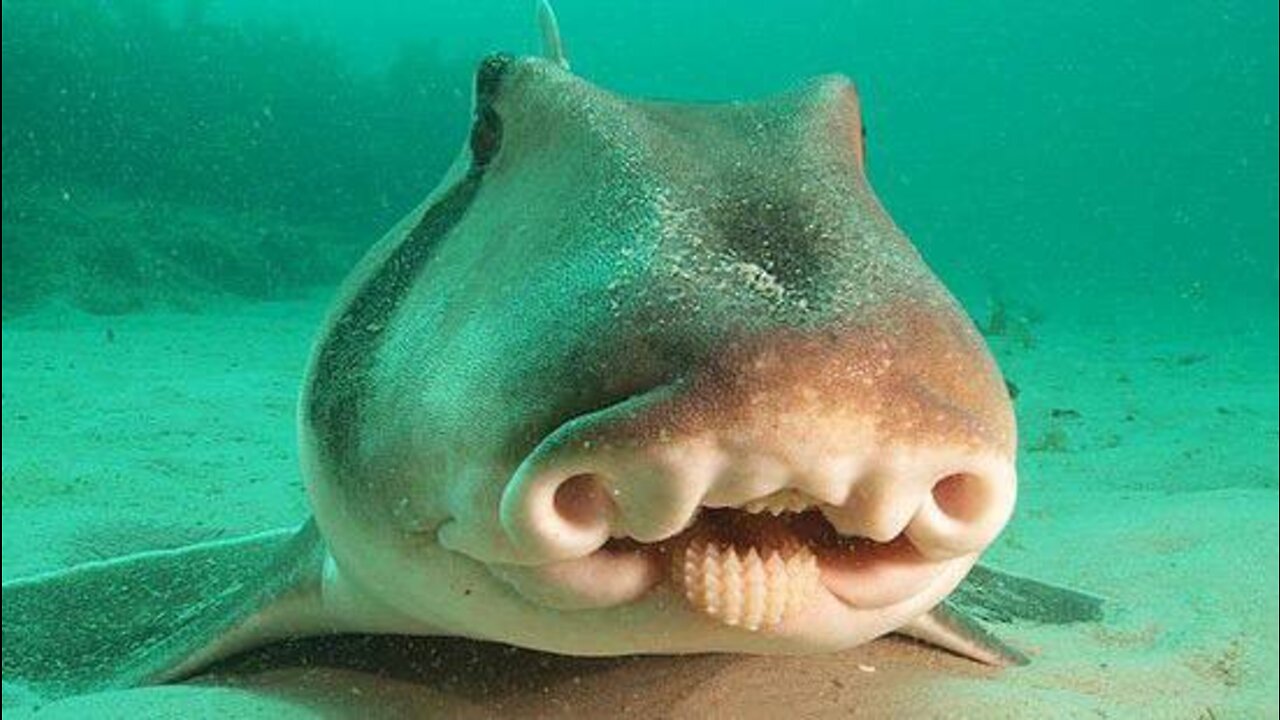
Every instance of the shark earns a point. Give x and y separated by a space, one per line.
637 377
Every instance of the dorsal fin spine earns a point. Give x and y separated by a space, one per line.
552 47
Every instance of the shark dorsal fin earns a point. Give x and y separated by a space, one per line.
552 47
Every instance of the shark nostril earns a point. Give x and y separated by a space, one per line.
961 496
965 510
557 513
582 500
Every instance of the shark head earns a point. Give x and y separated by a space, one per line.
653 377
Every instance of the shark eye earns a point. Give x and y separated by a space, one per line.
486 137
486 130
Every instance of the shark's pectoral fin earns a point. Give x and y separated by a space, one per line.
952 630
995 596
153 616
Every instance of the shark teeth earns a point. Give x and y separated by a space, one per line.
745 588
782 501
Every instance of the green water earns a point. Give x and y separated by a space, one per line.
186 183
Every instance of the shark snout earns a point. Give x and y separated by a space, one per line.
573 498
889 440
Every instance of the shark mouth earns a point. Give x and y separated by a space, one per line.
754 566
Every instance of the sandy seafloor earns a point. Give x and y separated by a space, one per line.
1148 475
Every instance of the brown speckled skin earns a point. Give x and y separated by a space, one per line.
911 377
